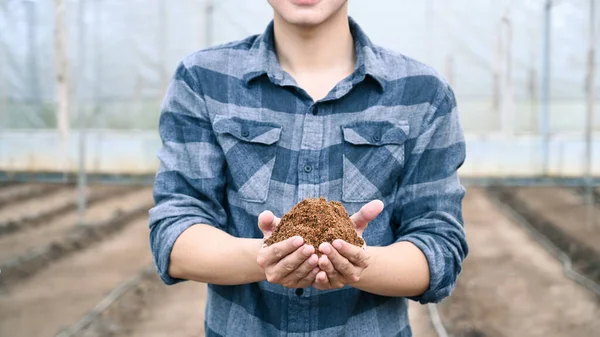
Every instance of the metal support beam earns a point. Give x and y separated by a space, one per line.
32 53
429 15
589 129
62 78
545 95
162 45
81 116
208 22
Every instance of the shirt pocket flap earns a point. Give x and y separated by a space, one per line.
376 133
248 130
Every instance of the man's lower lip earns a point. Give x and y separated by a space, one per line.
304 2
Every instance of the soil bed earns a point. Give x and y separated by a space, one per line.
560 215
512 286
55 229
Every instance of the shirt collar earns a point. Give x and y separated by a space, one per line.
263 60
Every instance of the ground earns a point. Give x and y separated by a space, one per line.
510 284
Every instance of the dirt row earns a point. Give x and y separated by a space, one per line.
64 290
511 286
149 309
37 205
60 294
19 243
561 216
34 212
17 193
178 312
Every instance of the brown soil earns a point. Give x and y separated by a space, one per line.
21 192
62 293
47 203
316 221
6 191
178 311
560 215
38 205
20 243
511 286
564 207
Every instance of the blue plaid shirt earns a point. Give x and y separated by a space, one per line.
239 137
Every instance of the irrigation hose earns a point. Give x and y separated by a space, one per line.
436 320
104 304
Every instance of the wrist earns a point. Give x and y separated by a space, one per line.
370 273
250 248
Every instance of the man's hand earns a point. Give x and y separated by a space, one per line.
290 263
343 263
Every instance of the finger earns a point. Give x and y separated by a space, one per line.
322 280
272 254
308 279
333 275
267 222
339 263
289 265
366 213
304 269
356 255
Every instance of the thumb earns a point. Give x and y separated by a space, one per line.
267 222
366 213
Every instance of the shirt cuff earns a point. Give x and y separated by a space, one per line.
440 284
162 240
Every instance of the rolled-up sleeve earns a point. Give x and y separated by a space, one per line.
428 211
189 186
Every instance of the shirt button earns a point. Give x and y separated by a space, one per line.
307 168
315 110
376 138
299 292
245 133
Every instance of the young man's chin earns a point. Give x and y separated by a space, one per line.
306 12
305 19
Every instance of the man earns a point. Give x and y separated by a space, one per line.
309 108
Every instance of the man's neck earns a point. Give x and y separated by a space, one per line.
327 47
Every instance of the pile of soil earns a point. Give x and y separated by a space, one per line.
316 221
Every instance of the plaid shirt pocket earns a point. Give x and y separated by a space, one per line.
373 158
250 150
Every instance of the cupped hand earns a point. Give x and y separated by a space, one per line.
290 263
343 263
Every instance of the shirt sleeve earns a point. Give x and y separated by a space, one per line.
428 211
189 186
